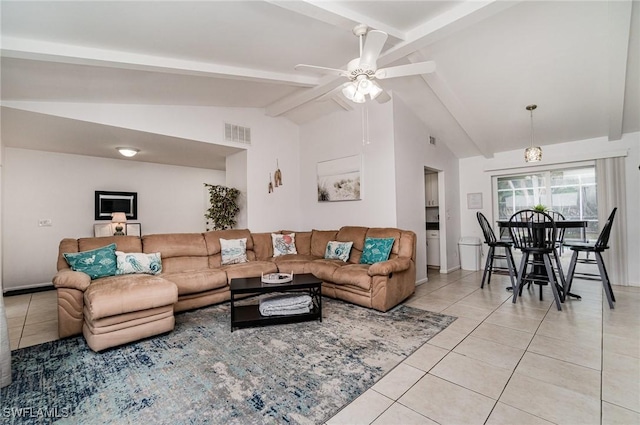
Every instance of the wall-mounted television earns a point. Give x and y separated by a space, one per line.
110 202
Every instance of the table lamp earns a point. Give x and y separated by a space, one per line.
119 218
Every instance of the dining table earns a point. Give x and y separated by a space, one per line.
560 224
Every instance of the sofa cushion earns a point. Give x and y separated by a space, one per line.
99 262
338 250
399 235
353 275
319 240
138 262
303 241
123 243
376 250
113 295
172 245
262 246
324 269
283 244
194 281
296 263
212 239
249 269
233 251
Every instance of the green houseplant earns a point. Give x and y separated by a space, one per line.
540 208
223 207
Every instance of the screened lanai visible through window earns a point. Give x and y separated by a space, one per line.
571 192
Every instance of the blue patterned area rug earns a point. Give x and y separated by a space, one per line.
201 373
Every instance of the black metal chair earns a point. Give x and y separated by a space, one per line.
535 234
597 248
493 243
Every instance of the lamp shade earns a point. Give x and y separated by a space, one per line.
533 154
118 217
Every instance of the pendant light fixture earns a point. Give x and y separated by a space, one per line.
532 153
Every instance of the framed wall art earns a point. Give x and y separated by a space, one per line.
474 201
107 203
103 229
340 179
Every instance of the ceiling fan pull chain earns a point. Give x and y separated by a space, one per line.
365 125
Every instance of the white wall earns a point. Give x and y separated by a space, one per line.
476 173
339 135
411 139
61 187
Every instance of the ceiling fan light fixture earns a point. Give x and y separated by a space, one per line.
532 153
128 152
349 90
375 90
358 97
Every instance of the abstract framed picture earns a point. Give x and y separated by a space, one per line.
340 179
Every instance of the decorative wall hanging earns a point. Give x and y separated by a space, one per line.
339 179
270 184
277 176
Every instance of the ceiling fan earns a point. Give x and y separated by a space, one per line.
363 70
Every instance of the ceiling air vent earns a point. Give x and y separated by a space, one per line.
432 140
236 133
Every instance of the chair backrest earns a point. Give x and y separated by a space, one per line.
556 216
603 239
533 229
489 236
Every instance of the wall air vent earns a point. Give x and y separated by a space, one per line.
432 140
236 133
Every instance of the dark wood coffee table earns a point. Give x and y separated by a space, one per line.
249 314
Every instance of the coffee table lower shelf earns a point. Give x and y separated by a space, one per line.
249 315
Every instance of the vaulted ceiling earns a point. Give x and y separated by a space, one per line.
579 61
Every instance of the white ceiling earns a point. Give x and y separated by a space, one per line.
579 61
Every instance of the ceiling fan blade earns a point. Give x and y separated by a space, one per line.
373 45
404 70
322 69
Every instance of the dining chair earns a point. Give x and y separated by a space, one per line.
597 248
493 243
535 234
560 242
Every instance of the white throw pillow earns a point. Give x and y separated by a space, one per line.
338 250
138 262
234 251
283 244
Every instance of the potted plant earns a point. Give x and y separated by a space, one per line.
540 208
223 207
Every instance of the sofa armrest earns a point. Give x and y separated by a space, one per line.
67 278
385 268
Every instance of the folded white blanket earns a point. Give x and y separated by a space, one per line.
285 304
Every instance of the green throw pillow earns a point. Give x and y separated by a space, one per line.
96 263
376 250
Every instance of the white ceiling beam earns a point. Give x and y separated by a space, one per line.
20 48
456 108
334 14
462 16
619 31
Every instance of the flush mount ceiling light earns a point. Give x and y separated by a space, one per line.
532 153
128 152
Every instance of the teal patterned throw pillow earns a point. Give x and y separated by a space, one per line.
376 250
138 262
96 263
338 250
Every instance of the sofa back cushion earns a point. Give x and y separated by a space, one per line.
179 251
303 241
355 234
319 240
262 246
212 240
67 245
404 244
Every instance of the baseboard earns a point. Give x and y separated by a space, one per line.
421 281
29 289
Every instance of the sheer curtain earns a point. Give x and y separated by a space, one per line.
610 177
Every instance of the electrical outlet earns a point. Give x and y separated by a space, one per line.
45 222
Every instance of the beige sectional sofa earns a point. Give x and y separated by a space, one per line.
114 310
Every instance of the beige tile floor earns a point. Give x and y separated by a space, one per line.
498 363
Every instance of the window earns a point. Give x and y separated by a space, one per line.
571 192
